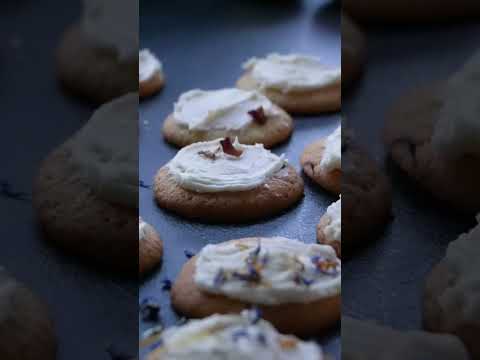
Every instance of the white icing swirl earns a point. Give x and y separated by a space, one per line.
224 109
332 156
105 150
113 24
148 65
457 130
291 72
231 337
462 259
269 271
194 171
333 231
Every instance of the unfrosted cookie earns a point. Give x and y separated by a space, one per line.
26 330
329 229
295 285
86 192
244 336
452 296
411 10
150 75
321 161
432 134
354 51
296 83
365 340
150 247
97 60
225 181
207 115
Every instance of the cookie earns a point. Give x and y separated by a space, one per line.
26 330
354 52
220 336
207 115
366 196
150 248
329 229
150 75
451 294
432 135
302 299
84 205
296 83
221 181
411 10
367 340
91 72
321 161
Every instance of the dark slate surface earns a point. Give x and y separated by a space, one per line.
202 45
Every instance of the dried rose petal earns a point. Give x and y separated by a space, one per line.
229 149
258 115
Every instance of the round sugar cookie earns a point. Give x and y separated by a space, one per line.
150 74
26 330
299 318
150 248
329 228
93 73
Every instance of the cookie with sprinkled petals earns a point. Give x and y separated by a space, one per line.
150 248
299 317
26 330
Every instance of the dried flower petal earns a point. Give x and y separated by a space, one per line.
188 254
229 149
166 285
208 154
220 278
150 309
258 115
326 266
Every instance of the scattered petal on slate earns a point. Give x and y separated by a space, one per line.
150 309
166 285
188 254
143 185
7 191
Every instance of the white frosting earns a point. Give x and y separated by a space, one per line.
462 297
106 151
332 155
142 229
269 271
457 130
362 340
113 24
225 109
291 72
148 65
333 231
196 172
231 337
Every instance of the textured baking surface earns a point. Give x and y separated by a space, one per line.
203 46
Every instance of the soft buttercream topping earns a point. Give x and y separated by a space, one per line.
106 151
205 167
332 155
225 109
462 296
231 337
269 271
291 72
113 24
333 231
457 130
148 65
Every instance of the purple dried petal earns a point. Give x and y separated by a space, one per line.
166 285
150 309
220 278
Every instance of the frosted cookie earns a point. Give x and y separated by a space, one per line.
366 195
329 230
26 330
411 10
295 285
296 83
432 134
365 340
225 181
354 51
150 247
322 161
150 75
97 57
207 115
452 292
86 192
230 337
